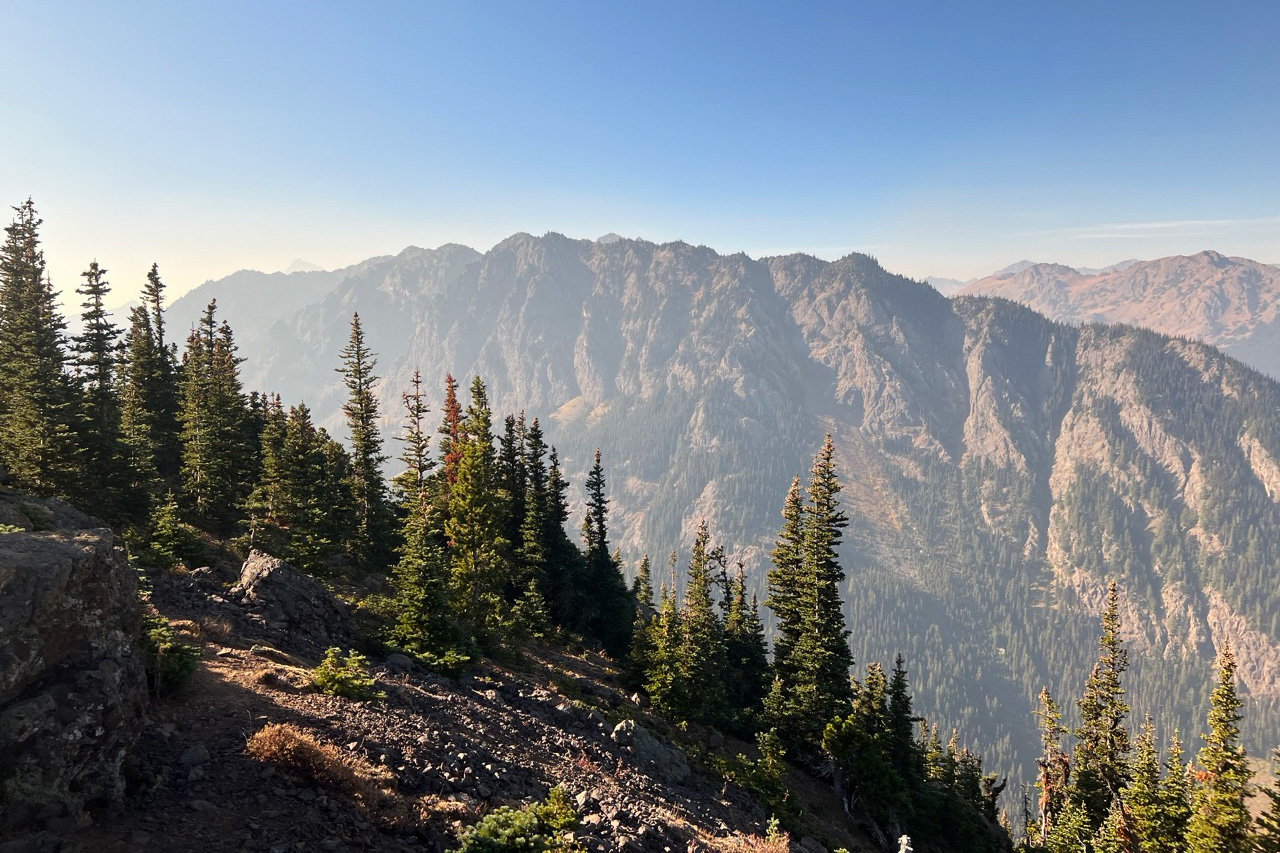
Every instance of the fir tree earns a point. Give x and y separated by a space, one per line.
213 437
701 694
107 474
154 373
1101 767
38 445
451 431
1054 766
1220 820
1142 799
411 486
372 530
747 675
608 610
475 543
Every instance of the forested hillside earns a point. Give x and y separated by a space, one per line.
1001 466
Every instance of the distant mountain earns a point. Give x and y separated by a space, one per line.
947 286
999 466
302 266
1232 303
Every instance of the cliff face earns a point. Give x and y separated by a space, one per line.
71 689
999 466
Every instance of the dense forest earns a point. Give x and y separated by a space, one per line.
167 446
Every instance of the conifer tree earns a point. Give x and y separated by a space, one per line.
475 542
371 545
1101 764
38 445
608 610
663 677
451 431
811 654
746 677
538 532
152 397
1053 766
1175 801
904 753
108 481
214 482
411 485
1142 799
701 695
1220 820
824 522
640 655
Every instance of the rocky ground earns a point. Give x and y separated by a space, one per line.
443 752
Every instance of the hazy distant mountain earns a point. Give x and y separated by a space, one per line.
1232 303
947 286
999 466
302 266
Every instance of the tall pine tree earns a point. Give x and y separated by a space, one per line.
371 545
1220 820
38 445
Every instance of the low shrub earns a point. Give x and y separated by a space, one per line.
169 664
536 828
347 677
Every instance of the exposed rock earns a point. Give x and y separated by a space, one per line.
668 762
292 607
71 688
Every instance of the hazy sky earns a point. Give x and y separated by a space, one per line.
946 138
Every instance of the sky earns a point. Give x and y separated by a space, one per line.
944 138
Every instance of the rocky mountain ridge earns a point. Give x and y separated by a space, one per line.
999 465
1232 303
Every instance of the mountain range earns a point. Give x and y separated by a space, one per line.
1232 303
999 465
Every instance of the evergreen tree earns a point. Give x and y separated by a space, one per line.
608 610
108 480
1142 799
811 655
1054 767
1220 820
411 486
151 380
746 677
1101 764
451 432
371 546
701 693
214 482
640 655
664 680
38 445
904 753
1175 803
475 543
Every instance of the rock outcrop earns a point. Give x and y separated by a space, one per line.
293 609
71 688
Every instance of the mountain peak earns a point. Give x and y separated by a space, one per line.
300 265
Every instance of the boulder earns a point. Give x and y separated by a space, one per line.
294 608
71 688
667 762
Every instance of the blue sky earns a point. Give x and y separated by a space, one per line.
946 138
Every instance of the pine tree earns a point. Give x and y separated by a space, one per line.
38 445
640 655
152 373
411 486
812 658
747 675
608 610
663 680
213 476
475 543
1101 764
1175 803
702 652
108 480
371 545
1220 820
903 752
1142 795
451 431
1054 766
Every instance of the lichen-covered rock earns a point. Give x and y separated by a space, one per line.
71 688
293 608
667 762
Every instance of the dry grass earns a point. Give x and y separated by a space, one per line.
213 629
301 755
750 844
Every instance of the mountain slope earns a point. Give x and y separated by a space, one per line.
999 466
1232 303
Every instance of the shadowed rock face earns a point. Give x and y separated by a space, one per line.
71 688
289 607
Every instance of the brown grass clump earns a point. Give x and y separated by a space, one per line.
213 629
302 756
780 843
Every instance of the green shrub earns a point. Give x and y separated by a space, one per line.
537 828
347 677
169 663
